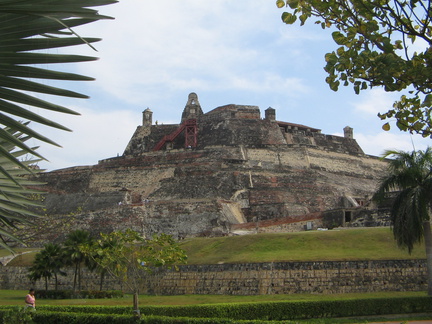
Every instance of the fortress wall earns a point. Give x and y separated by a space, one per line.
276 181
66 180
320 277
295 158
358 166
179 218
142 180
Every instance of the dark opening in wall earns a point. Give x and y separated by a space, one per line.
347 216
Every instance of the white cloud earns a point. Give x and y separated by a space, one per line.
153 48
374 101
377 144
96 135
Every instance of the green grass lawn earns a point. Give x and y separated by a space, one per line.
16 297
344 244
336 245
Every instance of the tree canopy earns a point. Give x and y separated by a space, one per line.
382 43
128 256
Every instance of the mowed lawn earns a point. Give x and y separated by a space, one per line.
332 245
16 297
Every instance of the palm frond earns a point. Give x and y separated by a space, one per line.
409 174
26 28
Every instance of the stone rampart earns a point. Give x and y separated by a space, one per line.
186 188
327 277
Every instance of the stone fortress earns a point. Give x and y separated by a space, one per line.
222 172
228 171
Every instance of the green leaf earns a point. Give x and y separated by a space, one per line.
334 85
38 73
293 4
339 38
386 127
331 58
427 102
288 18
280 3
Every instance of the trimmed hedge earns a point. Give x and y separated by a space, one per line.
75 318
230 313
88 309
70 294
298 310
271 310
46 317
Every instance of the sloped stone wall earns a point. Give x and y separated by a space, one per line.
324 277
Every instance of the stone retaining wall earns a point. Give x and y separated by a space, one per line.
328 277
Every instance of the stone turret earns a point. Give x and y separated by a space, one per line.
147 118
192 109
270 114
348 132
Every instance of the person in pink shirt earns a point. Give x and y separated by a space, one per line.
30 299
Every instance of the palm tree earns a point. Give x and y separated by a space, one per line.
74 256
410 177
48 263
28 29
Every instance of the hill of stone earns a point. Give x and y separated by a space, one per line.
215 174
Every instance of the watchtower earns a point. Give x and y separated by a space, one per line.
192 109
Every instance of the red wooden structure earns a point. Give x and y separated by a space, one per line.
191 131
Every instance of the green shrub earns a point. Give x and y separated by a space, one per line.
266 311
45 317
76 318
16 315
297 310
70 294
88 309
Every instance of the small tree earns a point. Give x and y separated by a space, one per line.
48 263
74 255
128 256
374 39
409 174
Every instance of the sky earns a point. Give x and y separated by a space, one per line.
154 53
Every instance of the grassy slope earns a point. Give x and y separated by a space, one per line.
345 244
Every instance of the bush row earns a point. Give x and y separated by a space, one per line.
21 316
299 310
70 294
271 310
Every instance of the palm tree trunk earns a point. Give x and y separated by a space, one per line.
428 246
75 277
79 277
56 280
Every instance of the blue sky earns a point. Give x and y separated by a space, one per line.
229 52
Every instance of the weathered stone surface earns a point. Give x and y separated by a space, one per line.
237 168
322 277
